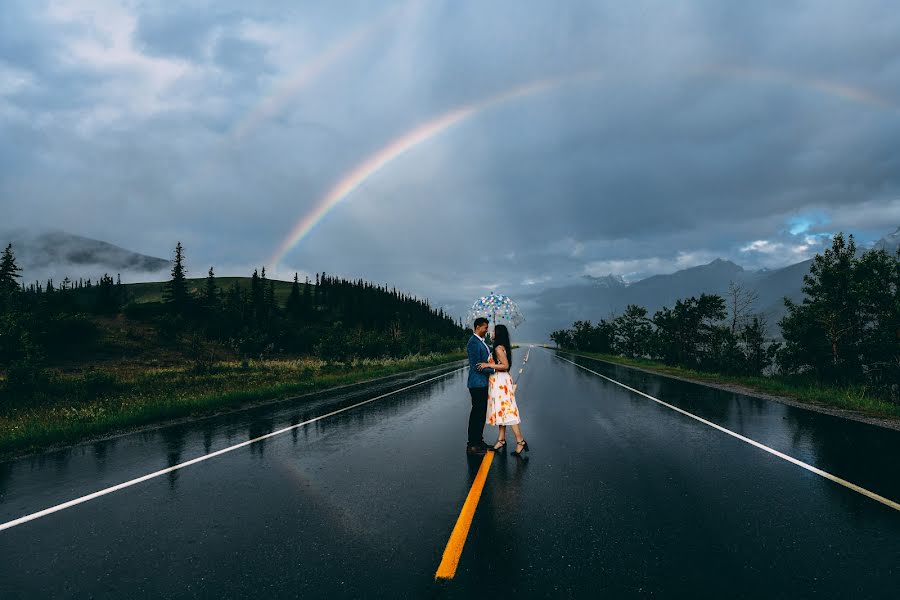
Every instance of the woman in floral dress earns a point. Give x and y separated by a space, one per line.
501 409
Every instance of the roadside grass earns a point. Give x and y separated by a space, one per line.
78 406
856 398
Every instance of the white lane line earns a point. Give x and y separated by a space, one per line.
109 490
886 501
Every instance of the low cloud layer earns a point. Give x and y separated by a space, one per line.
707 130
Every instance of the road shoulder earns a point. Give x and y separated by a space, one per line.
852 415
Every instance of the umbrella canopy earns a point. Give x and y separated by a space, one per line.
497 308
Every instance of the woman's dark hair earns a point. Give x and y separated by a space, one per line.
501 338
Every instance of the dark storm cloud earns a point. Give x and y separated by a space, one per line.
708 129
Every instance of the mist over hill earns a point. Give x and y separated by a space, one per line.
58 254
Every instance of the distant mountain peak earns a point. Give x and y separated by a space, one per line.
890 242
724 262
718 265
609 281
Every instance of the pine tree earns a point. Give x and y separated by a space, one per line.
9 271
307 297
269 300
295 302
758 353
824 331
317 292
106 296
633 332
211 292
176 293
878 285
256 295
121 294
687 333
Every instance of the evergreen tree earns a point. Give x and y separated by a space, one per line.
9 271
176 294
686 334
877 283
633 332
307 297
721 352
823 332
295 301
758 353
106 301
587 338
562 338
256 295
271 305
210 297
317 292
121 293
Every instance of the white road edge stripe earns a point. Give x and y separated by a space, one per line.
886 501
109 490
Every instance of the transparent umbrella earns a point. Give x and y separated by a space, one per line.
497 308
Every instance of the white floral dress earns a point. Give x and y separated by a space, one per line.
501 407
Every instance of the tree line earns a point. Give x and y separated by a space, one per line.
845 330
333 318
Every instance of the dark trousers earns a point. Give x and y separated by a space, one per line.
478 415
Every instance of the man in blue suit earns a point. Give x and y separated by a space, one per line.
479 352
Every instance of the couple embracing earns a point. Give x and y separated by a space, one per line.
492 389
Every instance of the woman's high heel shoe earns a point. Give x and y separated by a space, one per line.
501 448
524 446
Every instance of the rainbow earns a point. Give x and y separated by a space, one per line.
426 131
272 105
403 144
824 86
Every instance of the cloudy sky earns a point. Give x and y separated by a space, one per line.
628 138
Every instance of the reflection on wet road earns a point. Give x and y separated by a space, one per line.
620 495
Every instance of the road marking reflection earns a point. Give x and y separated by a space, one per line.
847 484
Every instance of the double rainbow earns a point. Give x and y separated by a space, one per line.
406 142
433 128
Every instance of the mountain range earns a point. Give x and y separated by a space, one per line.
598 298
58 254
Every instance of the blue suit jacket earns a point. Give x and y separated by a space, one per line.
478 353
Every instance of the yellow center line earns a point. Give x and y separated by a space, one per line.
452 552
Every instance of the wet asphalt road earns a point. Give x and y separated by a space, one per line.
620 497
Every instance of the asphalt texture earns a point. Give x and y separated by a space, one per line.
619 497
